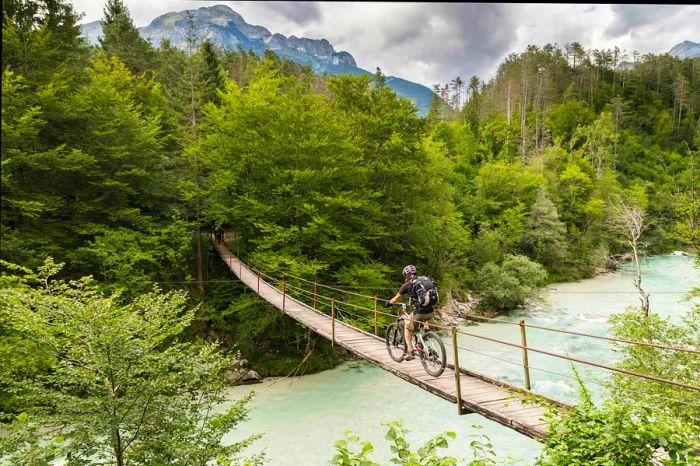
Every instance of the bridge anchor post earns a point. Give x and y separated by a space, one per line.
458 385
333 322
376 332
526 364
284 291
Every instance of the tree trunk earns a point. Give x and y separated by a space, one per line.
643 295
118 452
508 105
523 124
200 267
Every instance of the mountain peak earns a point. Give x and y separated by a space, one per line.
686 49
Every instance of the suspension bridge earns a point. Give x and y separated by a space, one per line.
513 406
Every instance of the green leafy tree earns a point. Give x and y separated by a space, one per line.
668 364
600 141
124 386
565 118
509 284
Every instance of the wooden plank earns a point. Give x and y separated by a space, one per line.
521 413
518 402
482 397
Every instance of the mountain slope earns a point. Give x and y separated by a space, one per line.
225 27
686 49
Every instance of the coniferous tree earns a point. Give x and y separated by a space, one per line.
41 40
121 38
544 237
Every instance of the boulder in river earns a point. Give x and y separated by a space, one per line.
239 373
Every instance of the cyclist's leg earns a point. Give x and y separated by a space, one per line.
409 328
422 319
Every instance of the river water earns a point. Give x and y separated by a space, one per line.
302 417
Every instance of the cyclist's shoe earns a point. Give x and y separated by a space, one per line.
409 356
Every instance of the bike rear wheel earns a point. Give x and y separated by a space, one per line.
433 355
395 342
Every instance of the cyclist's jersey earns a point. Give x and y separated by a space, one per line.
405 288
408 287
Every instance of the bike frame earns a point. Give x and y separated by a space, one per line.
425 348
417 334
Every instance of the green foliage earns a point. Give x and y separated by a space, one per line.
425 455
668 364
618 435
482 453
345 455
41 40
564 119
285 180
509 284
90 173
123 385
640 421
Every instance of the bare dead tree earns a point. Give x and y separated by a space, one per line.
630 221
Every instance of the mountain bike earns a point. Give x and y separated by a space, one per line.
428 345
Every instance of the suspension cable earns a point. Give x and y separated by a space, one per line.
572 332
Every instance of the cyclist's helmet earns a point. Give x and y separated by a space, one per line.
409 269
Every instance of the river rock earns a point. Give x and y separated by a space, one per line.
455 312
251 377
679 253
239 373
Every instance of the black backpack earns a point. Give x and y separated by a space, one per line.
424 291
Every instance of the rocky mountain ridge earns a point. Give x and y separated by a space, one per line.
225 27
686 49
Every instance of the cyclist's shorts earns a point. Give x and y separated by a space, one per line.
416 318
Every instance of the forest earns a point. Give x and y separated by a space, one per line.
119 160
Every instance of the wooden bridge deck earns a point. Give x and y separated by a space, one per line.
506 405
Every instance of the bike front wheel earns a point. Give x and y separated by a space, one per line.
433 355
395 342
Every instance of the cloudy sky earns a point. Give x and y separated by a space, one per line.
432 43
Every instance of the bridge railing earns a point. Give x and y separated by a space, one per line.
362 311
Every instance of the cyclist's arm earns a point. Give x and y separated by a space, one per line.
395 298
402 291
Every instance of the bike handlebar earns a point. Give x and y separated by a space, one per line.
403 305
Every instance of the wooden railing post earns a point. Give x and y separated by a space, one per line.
376 332
315 294
284 291
258 278
458 385
240 267
333 322
526 365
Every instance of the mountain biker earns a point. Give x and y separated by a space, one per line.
420 314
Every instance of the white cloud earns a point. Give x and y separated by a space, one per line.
433 43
